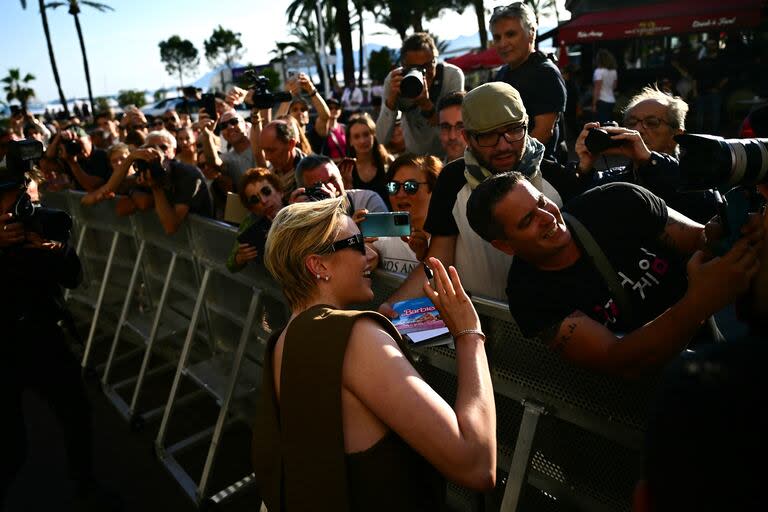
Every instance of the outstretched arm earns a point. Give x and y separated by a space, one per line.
460 441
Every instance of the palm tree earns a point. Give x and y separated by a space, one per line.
74 10
341 22
51 56
17 87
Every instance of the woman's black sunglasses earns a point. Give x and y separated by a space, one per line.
356 242
410 187
255 199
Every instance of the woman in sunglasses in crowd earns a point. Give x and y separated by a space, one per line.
261 193
346 422
410 189
372 159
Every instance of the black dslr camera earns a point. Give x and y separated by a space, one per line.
262 96
316 192
50 224
154 168
413 81
598 140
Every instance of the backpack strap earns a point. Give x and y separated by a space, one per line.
603 266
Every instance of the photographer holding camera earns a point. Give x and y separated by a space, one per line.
87 164
651 121
34 354
177 189
414 89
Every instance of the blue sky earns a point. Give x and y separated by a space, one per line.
122 45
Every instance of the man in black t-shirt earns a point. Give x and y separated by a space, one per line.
530 72
556 293
89 166
180 188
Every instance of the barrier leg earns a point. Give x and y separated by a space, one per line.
238 358
100 299
182 360
518 470
79 252
123 313
152 335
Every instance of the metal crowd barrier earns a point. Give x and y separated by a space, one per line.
568 439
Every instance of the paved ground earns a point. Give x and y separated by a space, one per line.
125 461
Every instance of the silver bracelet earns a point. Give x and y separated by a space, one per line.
469 331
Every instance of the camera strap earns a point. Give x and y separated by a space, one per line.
603 266
437 83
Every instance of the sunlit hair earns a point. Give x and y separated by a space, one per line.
519 10
258 174
114 148
380 154
431 165
301 137
165 134
298 231
416 42
677 108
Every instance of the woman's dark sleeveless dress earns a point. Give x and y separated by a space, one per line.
298 444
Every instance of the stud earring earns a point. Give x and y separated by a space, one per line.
327 278
317 276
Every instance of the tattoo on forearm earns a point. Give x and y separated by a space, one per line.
560 334
665 238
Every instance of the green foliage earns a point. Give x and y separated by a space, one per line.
131 97
159 95
17 87
223 47
380 64
102 104
179 56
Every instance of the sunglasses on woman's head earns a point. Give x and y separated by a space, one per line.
264 192
410 187
356 242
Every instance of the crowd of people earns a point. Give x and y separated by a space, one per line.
612 267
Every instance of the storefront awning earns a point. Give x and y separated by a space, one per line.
661 19
486 59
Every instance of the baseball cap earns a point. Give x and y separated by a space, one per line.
491 106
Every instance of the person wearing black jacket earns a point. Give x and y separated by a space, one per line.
651 121
536 78
33 350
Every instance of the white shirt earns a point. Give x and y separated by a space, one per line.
396 255
352 98
608 79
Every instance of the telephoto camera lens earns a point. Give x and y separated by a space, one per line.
708 161
412 84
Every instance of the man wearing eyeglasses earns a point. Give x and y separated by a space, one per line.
530 72
651 120
495 131
419 117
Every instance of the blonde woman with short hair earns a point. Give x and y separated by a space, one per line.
347 423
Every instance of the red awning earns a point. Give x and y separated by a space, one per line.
664 18
486 59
